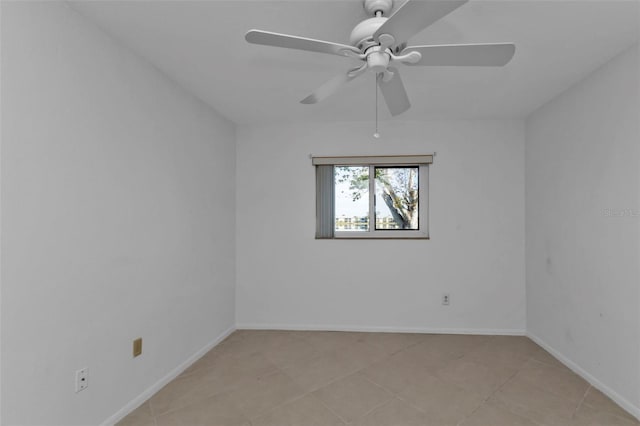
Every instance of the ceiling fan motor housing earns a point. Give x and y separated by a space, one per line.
362 34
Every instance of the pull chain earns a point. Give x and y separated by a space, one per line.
376 134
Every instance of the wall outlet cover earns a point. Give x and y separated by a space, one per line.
446 299
82 379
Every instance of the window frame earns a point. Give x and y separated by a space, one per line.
421 162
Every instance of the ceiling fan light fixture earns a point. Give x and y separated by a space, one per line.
378 61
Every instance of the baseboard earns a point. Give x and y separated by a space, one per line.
380 329
616 397
140 399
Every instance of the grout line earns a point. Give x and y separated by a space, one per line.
358 371
376 383
331 411
382 404
486 399
290 401
548 364
504 383
180 407
575 411
409 403
305 394
228 391
365 377
309 393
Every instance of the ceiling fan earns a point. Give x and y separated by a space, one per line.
381 42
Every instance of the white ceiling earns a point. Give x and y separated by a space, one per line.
200 44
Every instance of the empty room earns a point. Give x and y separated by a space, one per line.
320 213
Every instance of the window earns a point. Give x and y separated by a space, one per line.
372 197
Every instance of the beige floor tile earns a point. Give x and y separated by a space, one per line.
264 394
560 382
496 359
322 370
444 403
508 346
501 355
260 334
394 413
425 355
456 345
235 336
208 360
291 351
475 377
588 416
226 374
305 411
180 392
526 400
491 414
141 416
512 351
395 373
362 353
235 345
213 411
329 340
262 377
520 344
545 357
600 402
353 396
252 341
391 343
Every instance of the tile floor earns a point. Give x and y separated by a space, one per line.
315 378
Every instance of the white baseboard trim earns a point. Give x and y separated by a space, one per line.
616 397
140 399
380 329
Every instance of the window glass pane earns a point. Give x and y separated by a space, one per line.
351 198
396 199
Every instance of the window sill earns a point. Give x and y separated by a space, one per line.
375 236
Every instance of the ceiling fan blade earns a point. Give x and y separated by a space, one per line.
414 16
394 93
332 86
473 55
301 43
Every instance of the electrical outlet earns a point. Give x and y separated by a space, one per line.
137 347
82 379
446 299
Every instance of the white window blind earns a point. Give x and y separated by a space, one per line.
324 202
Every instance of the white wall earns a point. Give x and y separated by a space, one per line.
287 279
583 273
117 222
